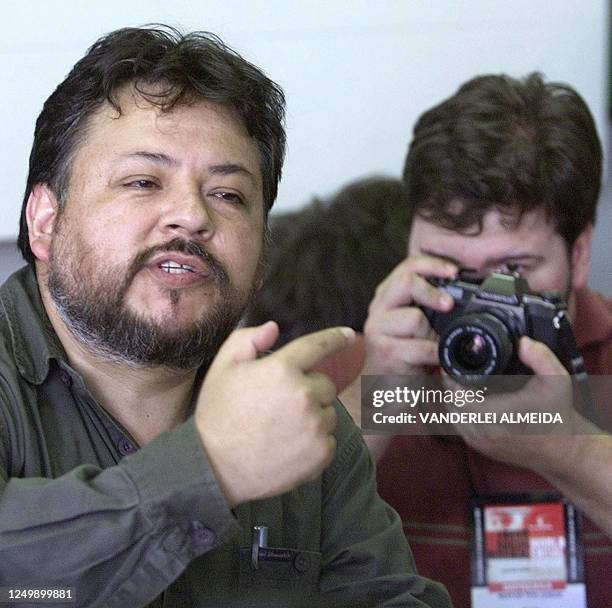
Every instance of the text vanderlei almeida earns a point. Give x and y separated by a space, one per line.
413 398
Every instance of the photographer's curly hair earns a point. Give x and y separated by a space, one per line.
514 145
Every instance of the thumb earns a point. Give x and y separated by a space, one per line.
540 358
247 344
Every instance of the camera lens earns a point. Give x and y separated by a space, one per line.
472 351
475 346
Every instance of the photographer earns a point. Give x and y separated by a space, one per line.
504 174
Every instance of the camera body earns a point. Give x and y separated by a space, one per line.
479 335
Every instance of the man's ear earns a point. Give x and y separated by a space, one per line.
41 211
581 258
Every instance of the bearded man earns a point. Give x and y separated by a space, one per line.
145 460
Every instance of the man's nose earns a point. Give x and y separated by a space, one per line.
188 214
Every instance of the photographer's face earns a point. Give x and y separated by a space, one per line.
532 246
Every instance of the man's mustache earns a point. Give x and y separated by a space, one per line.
179 245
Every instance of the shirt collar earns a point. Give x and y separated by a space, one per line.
32 338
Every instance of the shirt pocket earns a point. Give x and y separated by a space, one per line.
281 569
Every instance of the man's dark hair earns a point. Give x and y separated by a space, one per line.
328 258
166 68
513 145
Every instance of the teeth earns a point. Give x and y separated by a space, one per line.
175 268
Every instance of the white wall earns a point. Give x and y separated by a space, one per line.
357 74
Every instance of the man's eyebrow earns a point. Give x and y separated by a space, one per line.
231 168
521 256
165 159
446 258
156 157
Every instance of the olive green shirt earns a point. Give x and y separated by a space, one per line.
83 507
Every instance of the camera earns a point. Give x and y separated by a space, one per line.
479 335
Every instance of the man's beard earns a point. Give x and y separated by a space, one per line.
90 299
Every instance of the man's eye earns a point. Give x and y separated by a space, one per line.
229 197
520 269
142 184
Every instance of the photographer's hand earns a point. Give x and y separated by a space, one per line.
578 462
549 390
399 339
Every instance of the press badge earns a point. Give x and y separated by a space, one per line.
526 553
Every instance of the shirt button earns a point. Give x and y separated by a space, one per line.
204 535
301 562
126 447
65 378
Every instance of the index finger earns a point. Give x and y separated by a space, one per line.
307 351
408 283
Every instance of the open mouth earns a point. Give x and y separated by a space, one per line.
180 264
172 267
176 269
